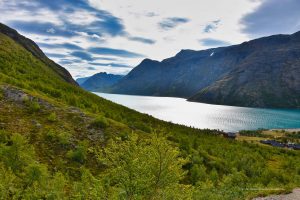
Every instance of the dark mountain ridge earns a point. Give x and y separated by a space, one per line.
268 75
33 48
264 72
100 82
82 80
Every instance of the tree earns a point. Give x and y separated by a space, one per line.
145 168
88 187
16 153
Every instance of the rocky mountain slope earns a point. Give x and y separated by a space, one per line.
260 73
33 48
100 82
268 76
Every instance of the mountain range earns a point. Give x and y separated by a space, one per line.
82 80
99 82
264 72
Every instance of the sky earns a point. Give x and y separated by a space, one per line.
91 36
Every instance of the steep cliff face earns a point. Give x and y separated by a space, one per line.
180 76
260 73
33 48
268 77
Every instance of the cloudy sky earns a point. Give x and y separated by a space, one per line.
90 36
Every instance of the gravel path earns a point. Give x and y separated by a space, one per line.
295 195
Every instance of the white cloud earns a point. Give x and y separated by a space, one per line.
80 17
141 19
138 22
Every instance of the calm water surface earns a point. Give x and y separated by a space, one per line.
200 115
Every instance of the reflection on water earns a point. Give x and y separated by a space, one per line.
200 115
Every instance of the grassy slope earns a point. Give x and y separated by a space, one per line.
227 164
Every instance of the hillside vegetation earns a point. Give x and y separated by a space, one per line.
58 141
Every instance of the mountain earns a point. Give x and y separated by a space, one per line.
179 76
58 141
100 82
33 48
260 73
82 80
268 75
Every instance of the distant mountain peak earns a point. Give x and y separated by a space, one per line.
100 82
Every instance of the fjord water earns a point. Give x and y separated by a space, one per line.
200 115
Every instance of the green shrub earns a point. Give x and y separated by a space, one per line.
50 135
64 138
52 117
4 136
80 153
34 106
100 122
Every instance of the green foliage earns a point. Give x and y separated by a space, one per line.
252 133
64 138
15 152
34 106
80 153
100 122
35 173
89 187
145 168
295 135
51 135
52 117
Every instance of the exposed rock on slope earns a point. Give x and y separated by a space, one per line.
269 76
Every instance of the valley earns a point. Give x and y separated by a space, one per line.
58 141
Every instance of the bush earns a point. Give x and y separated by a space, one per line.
52 117
100 122
80 153
4 136
64 138
50 135
34 106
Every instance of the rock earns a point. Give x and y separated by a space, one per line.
37 124
14 94
17 95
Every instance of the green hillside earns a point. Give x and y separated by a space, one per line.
58 141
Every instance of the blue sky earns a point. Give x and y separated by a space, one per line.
90 36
